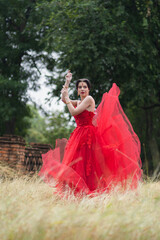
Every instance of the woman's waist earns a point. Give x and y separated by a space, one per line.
86 126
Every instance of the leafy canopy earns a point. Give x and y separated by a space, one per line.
21 56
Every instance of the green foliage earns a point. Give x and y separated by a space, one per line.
20 51
59 126
12 107
37 128
48 128
108 41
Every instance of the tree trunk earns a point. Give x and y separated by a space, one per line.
152 142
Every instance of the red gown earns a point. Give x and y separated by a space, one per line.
102 152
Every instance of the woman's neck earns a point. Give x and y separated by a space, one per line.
82 98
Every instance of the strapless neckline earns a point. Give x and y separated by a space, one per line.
86 111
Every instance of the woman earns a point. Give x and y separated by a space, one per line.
102 152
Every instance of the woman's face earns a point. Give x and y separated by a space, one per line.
83 89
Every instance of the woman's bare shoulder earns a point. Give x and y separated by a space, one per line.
90 98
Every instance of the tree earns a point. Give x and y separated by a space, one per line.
46 129
59 126
112 41
37 127
21 54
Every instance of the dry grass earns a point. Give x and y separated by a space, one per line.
29 210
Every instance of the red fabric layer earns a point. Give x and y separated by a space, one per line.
102 152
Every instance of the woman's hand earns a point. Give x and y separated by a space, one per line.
68 78
64 90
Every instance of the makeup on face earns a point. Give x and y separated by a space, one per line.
83 89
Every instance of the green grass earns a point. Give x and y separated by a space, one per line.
30 210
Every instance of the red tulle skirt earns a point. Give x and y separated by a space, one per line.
103 152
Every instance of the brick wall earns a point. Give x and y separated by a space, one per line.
14 153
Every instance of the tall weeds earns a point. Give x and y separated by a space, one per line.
30 210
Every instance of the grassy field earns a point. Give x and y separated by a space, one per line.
30 210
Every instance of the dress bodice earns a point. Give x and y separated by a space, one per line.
84 118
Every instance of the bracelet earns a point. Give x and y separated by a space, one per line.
68 102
